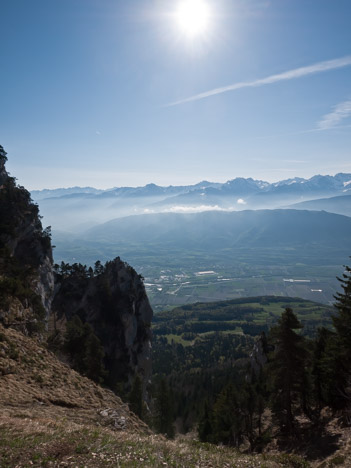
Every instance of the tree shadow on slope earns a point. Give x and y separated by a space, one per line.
311 441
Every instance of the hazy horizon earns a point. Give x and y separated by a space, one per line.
192 181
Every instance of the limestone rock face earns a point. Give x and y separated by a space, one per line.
32 246
45 284
25 256
115 304
258 356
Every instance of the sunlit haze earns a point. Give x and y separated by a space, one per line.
193 16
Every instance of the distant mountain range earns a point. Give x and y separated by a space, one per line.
340 205
76 209
340 183
147 190
219 230
62 192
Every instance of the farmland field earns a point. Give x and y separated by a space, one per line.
174 276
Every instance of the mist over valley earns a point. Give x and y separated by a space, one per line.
211 241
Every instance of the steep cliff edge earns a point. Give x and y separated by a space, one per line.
114 302
26 276
112 299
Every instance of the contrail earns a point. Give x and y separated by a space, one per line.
288 75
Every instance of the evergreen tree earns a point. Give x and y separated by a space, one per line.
93 359
287 368
229 417
342 321
135 397
250 403
340 346
3 157
73 340
84 349
323 368
205 428
163 420
65 269
98 268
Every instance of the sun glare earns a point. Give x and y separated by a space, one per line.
193 16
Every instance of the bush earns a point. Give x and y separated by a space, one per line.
291 461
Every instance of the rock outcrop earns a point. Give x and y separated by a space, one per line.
258 356
26 275
114 302
112 299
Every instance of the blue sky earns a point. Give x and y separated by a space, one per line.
95 92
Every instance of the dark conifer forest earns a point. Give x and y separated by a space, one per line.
235 387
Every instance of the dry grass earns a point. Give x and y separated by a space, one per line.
35 437
53 417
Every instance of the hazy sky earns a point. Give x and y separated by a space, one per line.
115 92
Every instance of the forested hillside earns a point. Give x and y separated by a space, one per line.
201 347
235 387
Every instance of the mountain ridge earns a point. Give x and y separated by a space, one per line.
339 205
237 227
321 181
74 211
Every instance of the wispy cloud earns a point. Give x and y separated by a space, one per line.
340 112
288 75
190 209
194 209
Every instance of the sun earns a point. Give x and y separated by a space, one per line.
193 17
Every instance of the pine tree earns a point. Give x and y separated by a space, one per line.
98 268
250 403
93 359
323 368
84 349
73 340
331 371
135 397
342 321
229 417
341 344
287 368
205 424
163 419
3 157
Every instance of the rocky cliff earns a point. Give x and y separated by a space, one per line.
114 302
26 276
258 355
112 299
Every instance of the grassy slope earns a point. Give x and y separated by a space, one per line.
50 441
52 416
